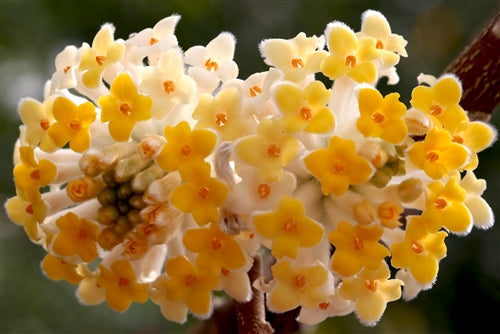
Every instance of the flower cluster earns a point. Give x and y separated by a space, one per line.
152 172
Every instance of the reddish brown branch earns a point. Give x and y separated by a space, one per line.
478 67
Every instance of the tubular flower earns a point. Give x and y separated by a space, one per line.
270 149
216 249
296 57
72 124
287 227
349 55
371 290
187 286
201 194
438 154
381 116
304 109
338 166
104 52
190 177
356 247
420 251
121 285
445 207
294 286
440 102
185 146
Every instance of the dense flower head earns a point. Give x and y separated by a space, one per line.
151 170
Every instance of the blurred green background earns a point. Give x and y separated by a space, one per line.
467 293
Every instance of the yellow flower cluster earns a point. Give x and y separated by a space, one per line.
153 172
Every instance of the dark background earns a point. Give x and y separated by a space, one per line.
467 293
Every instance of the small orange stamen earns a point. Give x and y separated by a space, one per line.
358 243
224 271
216 243
371 285
29 209
378 117
457 139
44 124
379 44
299 281
440 203
297 63
75 124
263 190
35 175
190 280
323 305
436 110
168 86
290 225
417 247
431 156
211 65
350 61
66 69
186 150
274 150
221 119
254 90
204 193
338 167
126 109
100 60
305 113
122 281
152 41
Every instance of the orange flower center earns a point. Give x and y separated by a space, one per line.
358 243
431 156
290 225
297 63
338 167
254 90
350 61
168 86
82 233
224 271
299 281
323 305
371 285
204 193
378 117
35 175
440 203
379 44
417 247
211 65
273 150
216 243
263 190
436 110
75 124
186 150
221 119
29 209
305 113
66 69
44 124
122 281
190 280
457 139
152 41
100 60
126 109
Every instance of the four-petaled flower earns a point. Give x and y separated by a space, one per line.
381 116
338 166
288 227
72 124
57 268
124 107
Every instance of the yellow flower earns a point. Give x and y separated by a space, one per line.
72 124
185 283
296 57
420 251
348 55
185 146
381 116
289 228
338 166
104 51
201 195
304 109
76 237
482 214
57 269
296 286
223 114
356 247
121 285
440 102
476 136
124 107
216 249
30 175
445 207
37 117
26 214
270 149
371 290
438 154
